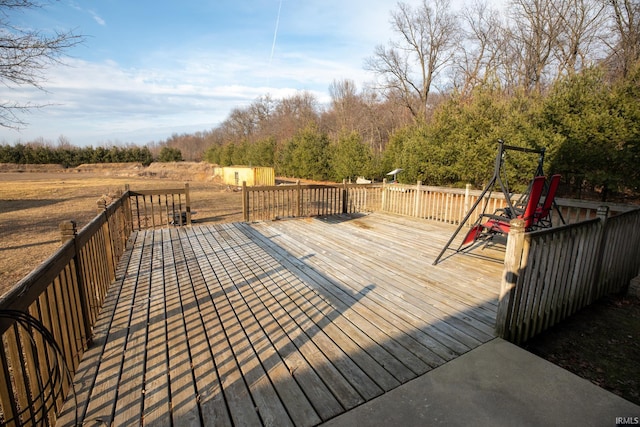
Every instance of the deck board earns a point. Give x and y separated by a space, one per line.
279 323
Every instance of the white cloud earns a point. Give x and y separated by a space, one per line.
91 102
196 85
98 19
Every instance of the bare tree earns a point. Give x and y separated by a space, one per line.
294 113
262 110
541 41
581 32
252 122
536 25
350 110
363 112
626 27
241 123
408 67
25 55
478 58
345 103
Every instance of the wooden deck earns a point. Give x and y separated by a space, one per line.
279 323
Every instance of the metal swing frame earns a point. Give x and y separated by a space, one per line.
497 178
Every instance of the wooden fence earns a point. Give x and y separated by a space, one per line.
290 201
551 274
450 205
264 203
46 319
160 208
441 204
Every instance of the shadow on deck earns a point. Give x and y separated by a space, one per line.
279 323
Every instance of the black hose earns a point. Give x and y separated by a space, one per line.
50 384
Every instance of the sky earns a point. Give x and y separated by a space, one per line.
149 69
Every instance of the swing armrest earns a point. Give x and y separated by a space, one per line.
508 213
497 217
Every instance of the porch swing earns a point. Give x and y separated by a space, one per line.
488 226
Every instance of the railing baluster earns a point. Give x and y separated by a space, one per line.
7 393
19 375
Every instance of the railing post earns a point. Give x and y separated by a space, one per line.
416 200
467 195
128 212
69 231
596 287
510 276
299 198
345 197
603 213
188 203
245 202
384 194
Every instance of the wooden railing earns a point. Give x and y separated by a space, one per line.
160 208
550 274
450 205
46 319
290 201
442 204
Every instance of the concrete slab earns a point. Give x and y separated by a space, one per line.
496 384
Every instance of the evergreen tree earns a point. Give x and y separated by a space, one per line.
306 155
350 158
169 154
582 111
262 153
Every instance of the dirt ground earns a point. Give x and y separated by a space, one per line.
601 343
33 204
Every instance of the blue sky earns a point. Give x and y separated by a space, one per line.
148 69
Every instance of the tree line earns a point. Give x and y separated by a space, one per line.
70 156
586 122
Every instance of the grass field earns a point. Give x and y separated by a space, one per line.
33 204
